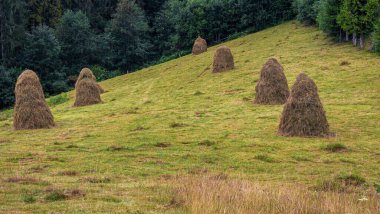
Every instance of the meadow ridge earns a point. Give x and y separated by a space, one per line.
178 119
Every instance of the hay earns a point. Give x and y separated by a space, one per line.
86 89
86 72
31 110
223 60
200 46
303 113
272 88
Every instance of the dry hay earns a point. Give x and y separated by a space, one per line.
223 60
86 72
272 88
303 113
31 110
200 46
86 89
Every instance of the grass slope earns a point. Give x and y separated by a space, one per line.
179 118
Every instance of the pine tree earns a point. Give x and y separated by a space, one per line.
41 54
357 17
76 51
327 17
12 30
128 32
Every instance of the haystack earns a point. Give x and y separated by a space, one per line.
88 72
86 89
303 114
31 110
272 87
200 46
223 60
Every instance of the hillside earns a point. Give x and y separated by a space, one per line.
178 118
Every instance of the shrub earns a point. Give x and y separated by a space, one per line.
59 99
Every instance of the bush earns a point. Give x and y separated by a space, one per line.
103 74
59 99
7 82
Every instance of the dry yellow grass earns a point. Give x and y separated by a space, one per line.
220 194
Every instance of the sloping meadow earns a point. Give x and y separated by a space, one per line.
180 119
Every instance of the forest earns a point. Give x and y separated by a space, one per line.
57 38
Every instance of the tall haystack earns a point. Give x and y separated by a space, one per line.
303 114
200 46
223 60
86 89
31 110
272 88
88 72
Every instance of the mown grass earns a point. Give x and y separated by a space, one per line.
176 119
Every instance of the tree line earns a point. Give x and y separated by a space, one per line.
355 20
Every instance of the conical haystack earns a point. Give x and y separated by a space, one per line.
272 88
86 89
200 46
88 72
223 60
303 114
31 110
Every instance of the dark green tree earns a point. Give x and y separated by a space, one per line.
358 17
327 17
376 36
128 36
41 54
45 12
75 38
7 81
12 30
307 11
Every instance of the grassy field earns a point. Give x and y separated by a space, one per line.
177 119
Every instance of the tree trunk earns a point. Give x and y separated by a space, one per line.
340 35
347 36
354 39
361 41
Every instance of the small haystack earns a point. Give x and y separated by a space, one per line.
88 72
223 60
86 89
303 114
31 110
200 46
272 88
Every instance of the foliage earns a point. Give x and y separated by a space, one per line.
75 38
327 17
7 82
41 54
103 74
12 30
59 99
358 17
307 11
128 32
376 35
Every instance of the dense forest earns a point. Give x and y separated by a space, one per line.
56 38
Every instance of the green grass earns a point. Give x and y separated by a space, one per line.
174 118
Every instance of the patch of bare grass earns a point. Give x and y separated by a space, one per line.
214 194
